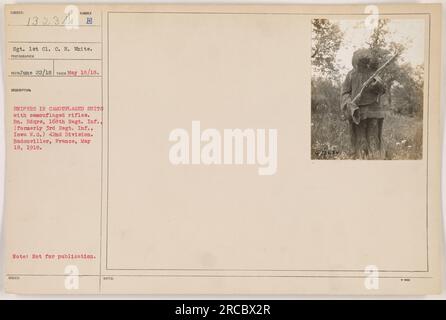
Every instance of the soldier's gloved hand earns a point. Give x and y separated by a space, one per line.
377 85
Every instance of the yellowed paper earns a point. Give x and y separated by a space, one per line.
200 149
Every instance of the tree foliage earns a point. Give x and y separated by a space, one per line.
404 83
408 91
326 41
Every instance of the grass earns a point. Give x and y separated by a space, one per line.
330 137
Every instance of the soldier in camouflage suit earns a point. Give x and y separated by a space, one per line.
366 116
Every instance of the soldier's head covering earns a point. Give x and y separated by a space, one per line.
364 60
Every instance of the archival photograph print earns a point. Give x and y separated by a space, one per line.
367 89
